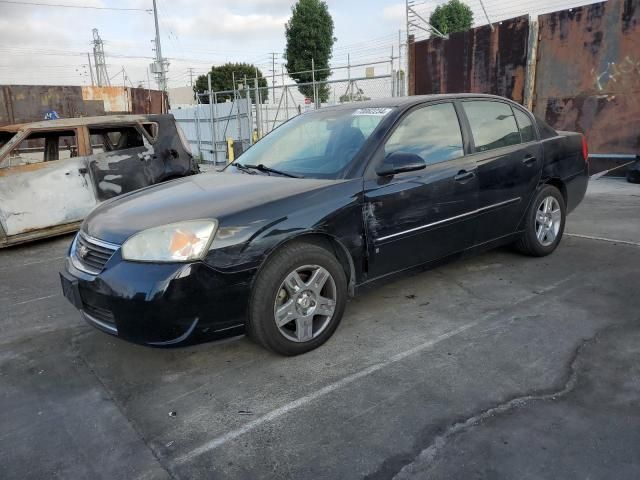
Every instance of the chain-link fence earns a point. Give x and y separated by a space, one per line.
290 100
235 119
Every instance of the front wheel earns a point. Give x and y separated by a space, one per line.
544 223
298 299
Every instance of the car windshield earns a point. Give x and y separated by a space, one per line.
320 144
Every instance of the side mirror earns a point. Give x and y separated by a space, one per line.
399 162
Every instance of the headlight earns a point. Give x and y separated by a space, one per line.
177 242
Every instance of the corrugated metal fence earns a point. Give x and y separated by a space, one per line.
231 122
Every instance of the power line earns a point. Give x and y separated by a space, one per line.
89 7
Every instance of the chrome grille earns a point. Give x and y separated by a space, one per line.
90 254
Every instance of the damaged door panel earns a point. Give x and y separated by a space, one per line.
122 160
53 173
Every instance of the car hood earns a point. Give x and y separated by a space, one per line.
208 195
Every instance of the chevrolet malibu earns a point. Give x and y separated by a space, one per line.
329 202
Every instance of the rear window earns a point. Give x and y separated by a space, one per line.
492 124
152 129
112 139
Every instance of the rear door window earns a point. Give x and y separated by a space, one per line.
525 125
113 139
493 124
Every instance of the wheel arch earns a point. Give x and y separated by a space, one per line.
559 184
554 182
327 241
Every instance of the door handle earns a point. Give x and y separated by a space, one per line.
464 176
529 160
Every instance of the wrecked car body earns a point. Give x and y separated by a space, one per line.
53 173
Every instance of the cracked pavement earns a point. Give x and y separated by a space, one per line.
495 366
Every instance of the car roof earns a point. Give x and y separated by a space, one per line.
413 100
79 121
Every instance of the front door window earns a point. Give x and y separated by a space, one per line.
44 146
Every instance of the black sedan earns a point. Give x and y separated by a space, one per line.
330 201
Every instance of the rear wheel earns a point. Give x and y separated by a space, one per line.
633 174
298 299
544 223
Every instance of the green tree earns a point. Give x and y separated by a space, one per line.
309 34
222 79
450 17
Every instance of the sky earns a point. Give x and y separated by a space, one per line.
48 45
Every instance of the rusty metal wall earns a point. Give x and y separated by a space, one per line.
114 99
479 61
588 73
147 101
30 103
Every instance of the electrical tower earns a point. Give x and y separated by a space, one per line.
273 75
102 77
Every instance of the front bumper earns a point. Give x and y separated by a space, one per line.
159 304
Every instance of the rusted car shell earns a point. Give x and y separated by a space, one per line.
49 198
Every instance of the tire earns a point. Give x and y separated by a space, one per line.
633 175
284 289
543 230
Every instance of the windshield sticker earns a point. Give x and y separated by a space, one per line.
377 112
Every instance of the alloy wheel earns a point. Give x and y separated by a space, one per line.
548 221
305 303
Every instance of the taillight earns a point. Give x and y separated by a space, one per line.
585 149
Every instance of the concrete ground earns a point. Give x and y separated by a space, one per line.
497 366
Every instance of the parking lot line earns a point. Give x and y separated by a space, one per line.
603 239
34 300
295 404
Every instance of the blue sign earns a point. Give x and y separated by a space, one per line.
52 115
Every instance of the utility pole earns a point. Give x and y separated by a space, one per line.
190 75
393 76
159 67
148 93
282 74
486 15
273 76
400 71
102 76
91 69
